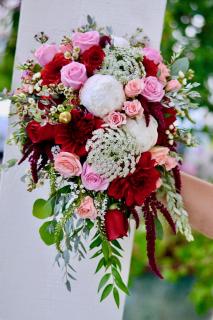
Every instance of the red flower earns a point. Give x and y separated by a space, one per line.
116 224
93 58
104 40
51 72
38 133
72 137
169 115
137 185
150 67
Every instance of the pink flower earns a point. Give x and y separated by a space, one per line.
153 89
134 87
65 47
133 108
92 180
161 157
74 75
159 154
115 119
87 210
45 53
68 164
163 71
170 163
153 55
173 85
85 40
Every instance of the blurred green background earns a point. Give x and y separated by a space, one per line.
187 291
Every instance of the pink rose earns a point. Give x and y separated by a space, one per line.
161 157
65 47
87 210
170 163
173 85
74 75
92 180
133 108
85 40
45 53
134 87
159 154
153 89
115 119
164 72
153 55
68 164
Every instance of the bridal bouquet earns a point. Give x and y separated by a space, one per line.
98 120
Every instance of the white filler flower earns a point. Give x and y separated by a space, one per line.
102 94
146 137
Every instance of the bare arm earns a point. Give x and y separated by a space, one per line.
198 199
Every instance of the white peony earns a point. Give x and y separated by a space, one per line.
102 94
146 137
120 42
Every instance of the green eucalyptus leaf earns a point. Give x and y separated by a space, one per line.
47 231
103 281
42 209
181 64
106 291
116 296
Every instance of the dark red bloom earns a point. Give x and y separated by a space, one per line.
150 67
169 115
137 185
72 137
150 209
116 224
93 58
38 147
104 40
51 72
38 133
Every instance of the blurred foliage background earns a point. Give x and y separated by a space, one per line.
187 290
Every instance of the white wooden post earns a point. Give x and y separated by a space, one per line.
30 287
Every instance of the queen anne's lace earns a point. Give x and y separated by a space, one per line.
123 63
112 153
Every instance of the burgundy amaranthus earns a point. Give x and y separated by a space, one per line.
150 210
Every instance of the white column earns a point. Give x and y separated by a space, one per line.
31 288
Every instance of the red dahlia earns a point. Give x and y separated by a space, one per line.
72 137
37 133
51 72
93 58
137 185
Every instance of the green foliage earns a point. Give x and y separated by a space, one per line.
42 209
109 253
180 16
47 231
181 64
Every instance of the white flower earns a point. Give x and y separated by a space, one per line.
146 137
102 94
120 42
